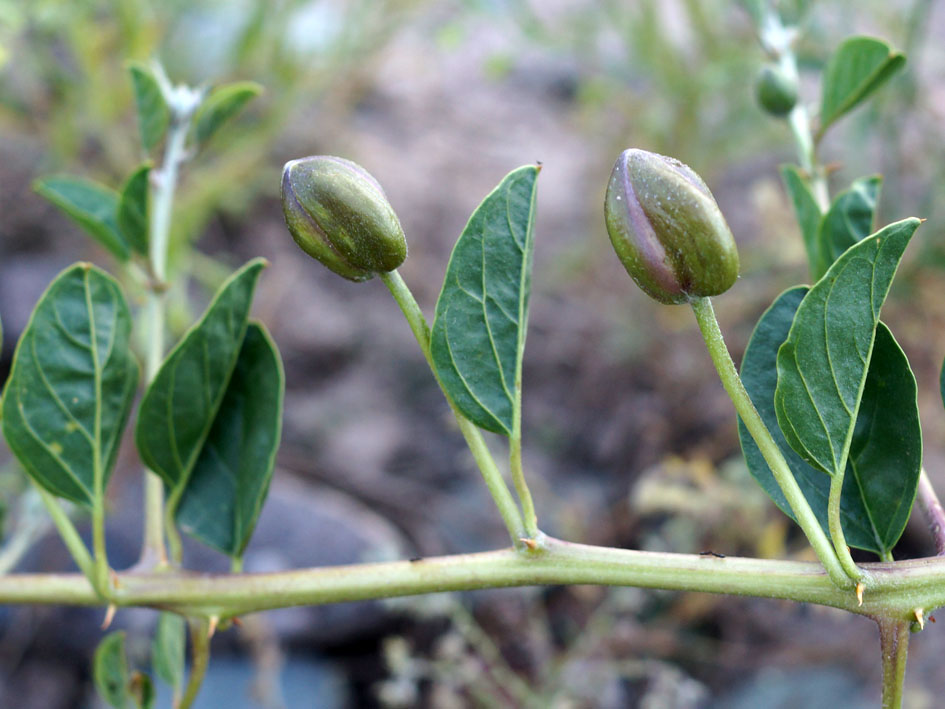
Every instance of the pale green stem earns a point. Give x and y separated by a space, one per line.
162 206
200 658
490 472
99 554
30 528
836 529
899 589
174 548
894 645
521 486
67 530
705 316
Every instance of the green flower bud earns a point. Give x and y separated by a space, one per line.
338 213
777 91
667 229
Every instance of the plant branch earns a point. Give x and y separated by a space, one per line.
836 529
71 538
705 316
898 589
165 184
932 508
200 659
894 645
503 499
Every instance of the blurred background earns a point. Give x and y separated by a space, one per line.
629 438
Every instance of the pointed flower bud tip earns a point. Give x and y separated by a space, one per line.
338 214
777 91
667 229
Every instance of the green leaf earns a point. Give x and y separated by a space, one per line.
822 365
153 113
141 690
228 486
91 205
848 221
178 409
878 490
72 384
806 208
481 316
132 215
167 649
110 670
858 68
220 106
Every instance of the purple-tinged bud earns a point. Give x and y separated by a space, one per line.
667 229
338 213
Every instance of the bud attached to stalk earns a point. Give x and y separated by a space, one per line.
777 90
667 229
338 214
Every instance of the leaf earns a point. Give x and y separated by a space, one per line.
178 409
91 205
848 221
822 365
153 113
806 208
228 485
167 649
221 105
132 215
110 670
858 68
481 316
873 488
72 384
141 690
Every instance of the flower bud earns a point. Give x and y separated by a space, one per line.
667 229
338 213
777 91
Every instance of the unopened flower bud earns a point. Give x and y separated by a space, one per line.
777 91
338 213
667 229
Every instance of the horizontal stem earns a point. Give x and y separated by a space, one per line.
899 588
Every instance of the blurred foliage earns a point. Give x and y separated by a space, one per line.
69 87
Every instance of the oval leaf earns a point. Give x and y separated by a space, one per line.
178 409
132 213
822 365
230 480
481 316
848 221
806 208
153 113
877 493
220 106
90 205
110 670
72 383
858 68
167 649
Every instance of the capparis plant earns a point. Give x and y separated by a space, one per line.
826 400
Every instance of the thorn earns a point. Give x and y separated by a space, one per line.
214 621
530 543
109 616
237 621
859 593
919 618
116 580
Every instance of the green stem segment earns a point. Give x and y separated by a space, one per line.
836 529
490 472
708 324
200 659
162 202
67 530
894 644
